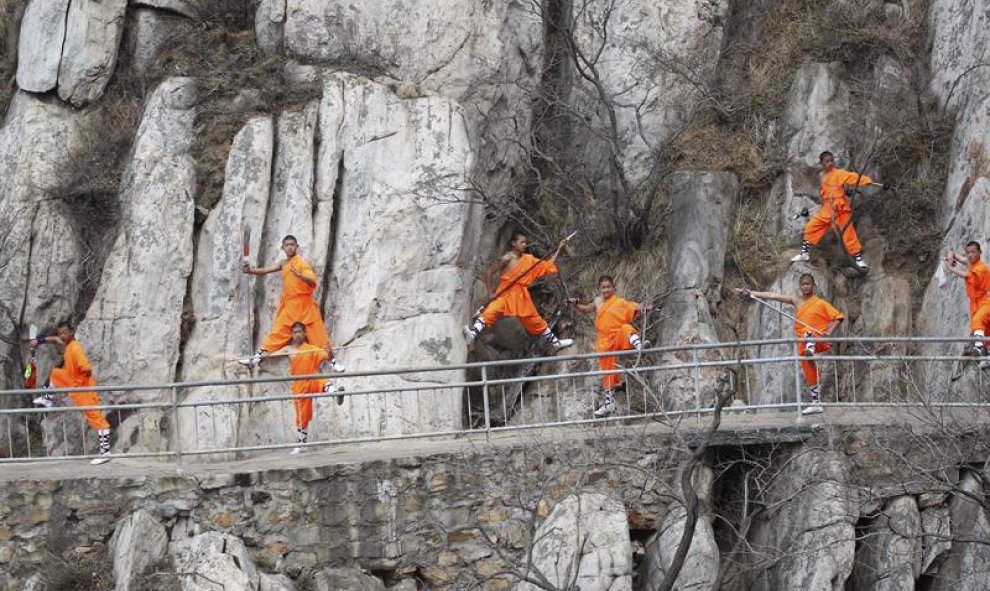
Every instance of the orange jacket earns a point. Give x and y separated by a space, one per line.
817 313
527 270
977 284
75 367
833 188
293 286
613 314
305 364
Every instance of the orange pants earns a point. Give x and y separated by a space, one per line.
59 378
822 221
290 311
304 411
810 368
979 316
617 340
518 304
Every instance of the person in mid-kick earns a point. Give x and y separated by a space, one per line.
76 372
306 360
518 270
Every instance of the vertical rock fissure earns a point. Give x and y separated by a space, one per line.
552 129
338 192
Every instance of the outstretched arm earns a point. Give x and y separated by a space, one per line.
264 270
556 253
582 306
769 295
951 259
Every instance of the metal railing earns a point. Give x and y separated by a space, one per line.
227 419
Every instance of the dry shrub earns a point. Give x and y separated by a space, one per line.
221 52
86 572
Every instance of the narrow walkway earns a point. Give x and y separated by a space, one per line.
739 427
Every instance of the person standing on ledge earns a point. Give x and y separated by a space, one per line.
613 320
76 372
296 305
977 277
814 318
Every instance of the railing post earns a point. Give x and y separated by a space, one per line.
697 382
175 425
484 401
797 378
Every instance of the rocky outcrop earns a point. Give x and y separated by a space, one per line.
399 171
149 31
145 274
678 40
39 49
138 543
222 295
584 543
817 113
959 79
187 8
701 566
93 29
701 209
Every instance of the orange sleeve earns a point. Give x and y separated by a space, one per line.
856 179
544 268
78 360
303 267
830 312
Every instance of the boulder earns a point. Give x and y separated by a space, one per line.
39 48
346 579
212 561
93 29
701 210
584 544
139 542
811 527
889 555
966 563
701 566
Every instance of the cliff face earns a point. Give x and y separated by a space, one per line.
399 141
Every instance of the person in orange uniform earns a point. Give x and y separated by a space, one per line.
977 277
835 210
613 321
76 372
296 305
305 360
815 318
518 270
